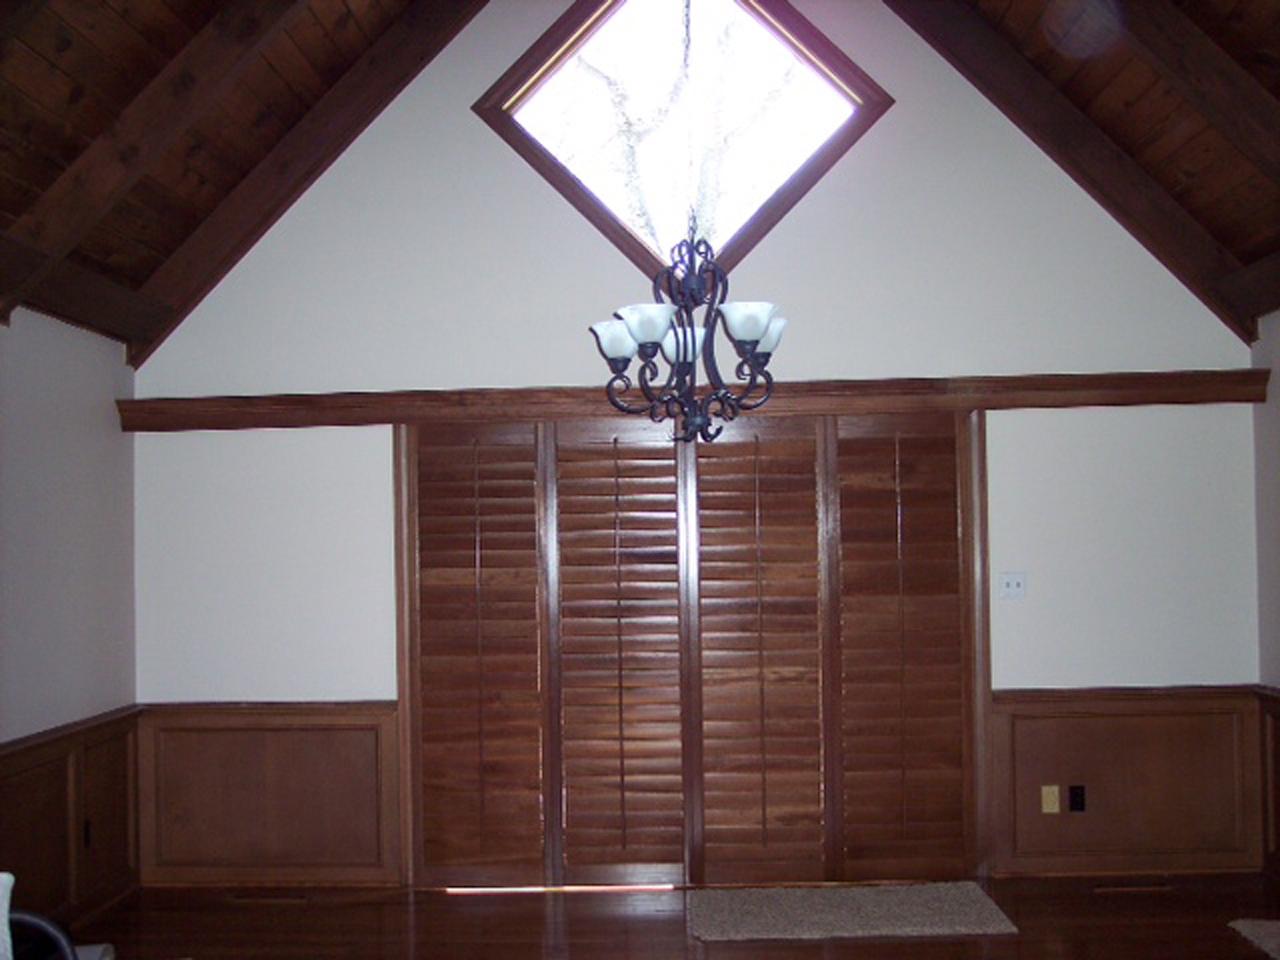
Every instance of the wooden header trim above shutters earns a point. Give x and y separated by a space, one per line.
818 397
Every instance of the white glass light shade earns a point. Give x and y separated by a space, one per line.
772 335
747 319
647 322
614 341
674 344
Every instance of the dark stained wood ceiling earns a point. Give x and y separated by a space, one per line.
145 145
1167 111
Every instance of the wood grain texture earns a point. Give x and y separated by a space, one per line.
1172 778
1177 918
551 679
1255 288
761 653
39 837
306 151
976 578
108 859
904 648
269 793
814 398
81 297
1231 98
83 194
1073 141
68 829
480 654
1269 704
620 657
408 647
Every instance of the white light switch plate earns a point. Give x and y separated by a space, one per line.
1012 585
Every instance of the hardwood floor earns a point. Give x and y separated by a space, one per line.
1163 919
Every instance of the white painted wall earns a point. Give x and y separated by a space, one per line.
266 566
1137 547
66 527
1266 439
945 243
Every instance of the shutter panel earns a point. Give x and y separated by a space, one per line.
761 682
620 654
902 644
479 659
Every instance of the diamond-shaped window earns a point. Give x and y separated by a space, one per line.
643 113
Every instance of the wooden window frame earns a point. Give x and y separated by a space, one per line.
576 25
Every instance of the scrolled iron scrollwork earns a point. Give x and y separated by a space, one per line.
695 285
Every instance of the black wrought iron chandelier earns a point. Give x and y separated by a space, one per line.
669 328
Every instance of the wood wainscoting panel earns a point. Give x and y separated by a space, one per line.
35 842
108 796
1170 777
67 829
269 793
1269 703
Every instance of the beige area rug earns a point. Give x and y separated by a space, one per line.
1263 934
810 913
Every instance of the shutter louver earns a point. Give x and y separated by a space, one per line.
620 657
902 643
761 682
481 817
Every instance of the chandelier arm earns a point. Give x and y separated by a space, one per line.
759 376
726 410
649 374
619 384
712 368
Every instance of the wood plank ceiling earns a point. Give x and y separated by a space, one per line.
145 145
1166 111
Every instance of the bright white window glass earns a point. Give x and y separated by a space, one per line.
655 131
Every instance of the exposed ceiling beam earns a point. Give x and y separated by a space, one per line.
110 166
424 29
1080 148
82 297
1204 75
1255 289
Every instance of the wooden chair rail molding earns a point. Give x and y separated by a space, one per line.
838 397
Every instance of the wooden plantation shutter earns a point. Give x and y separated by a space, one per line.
619 653
731 662
761 680
902 647
479 661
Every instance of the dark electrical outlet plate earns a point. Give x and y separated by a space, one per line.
1075 799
